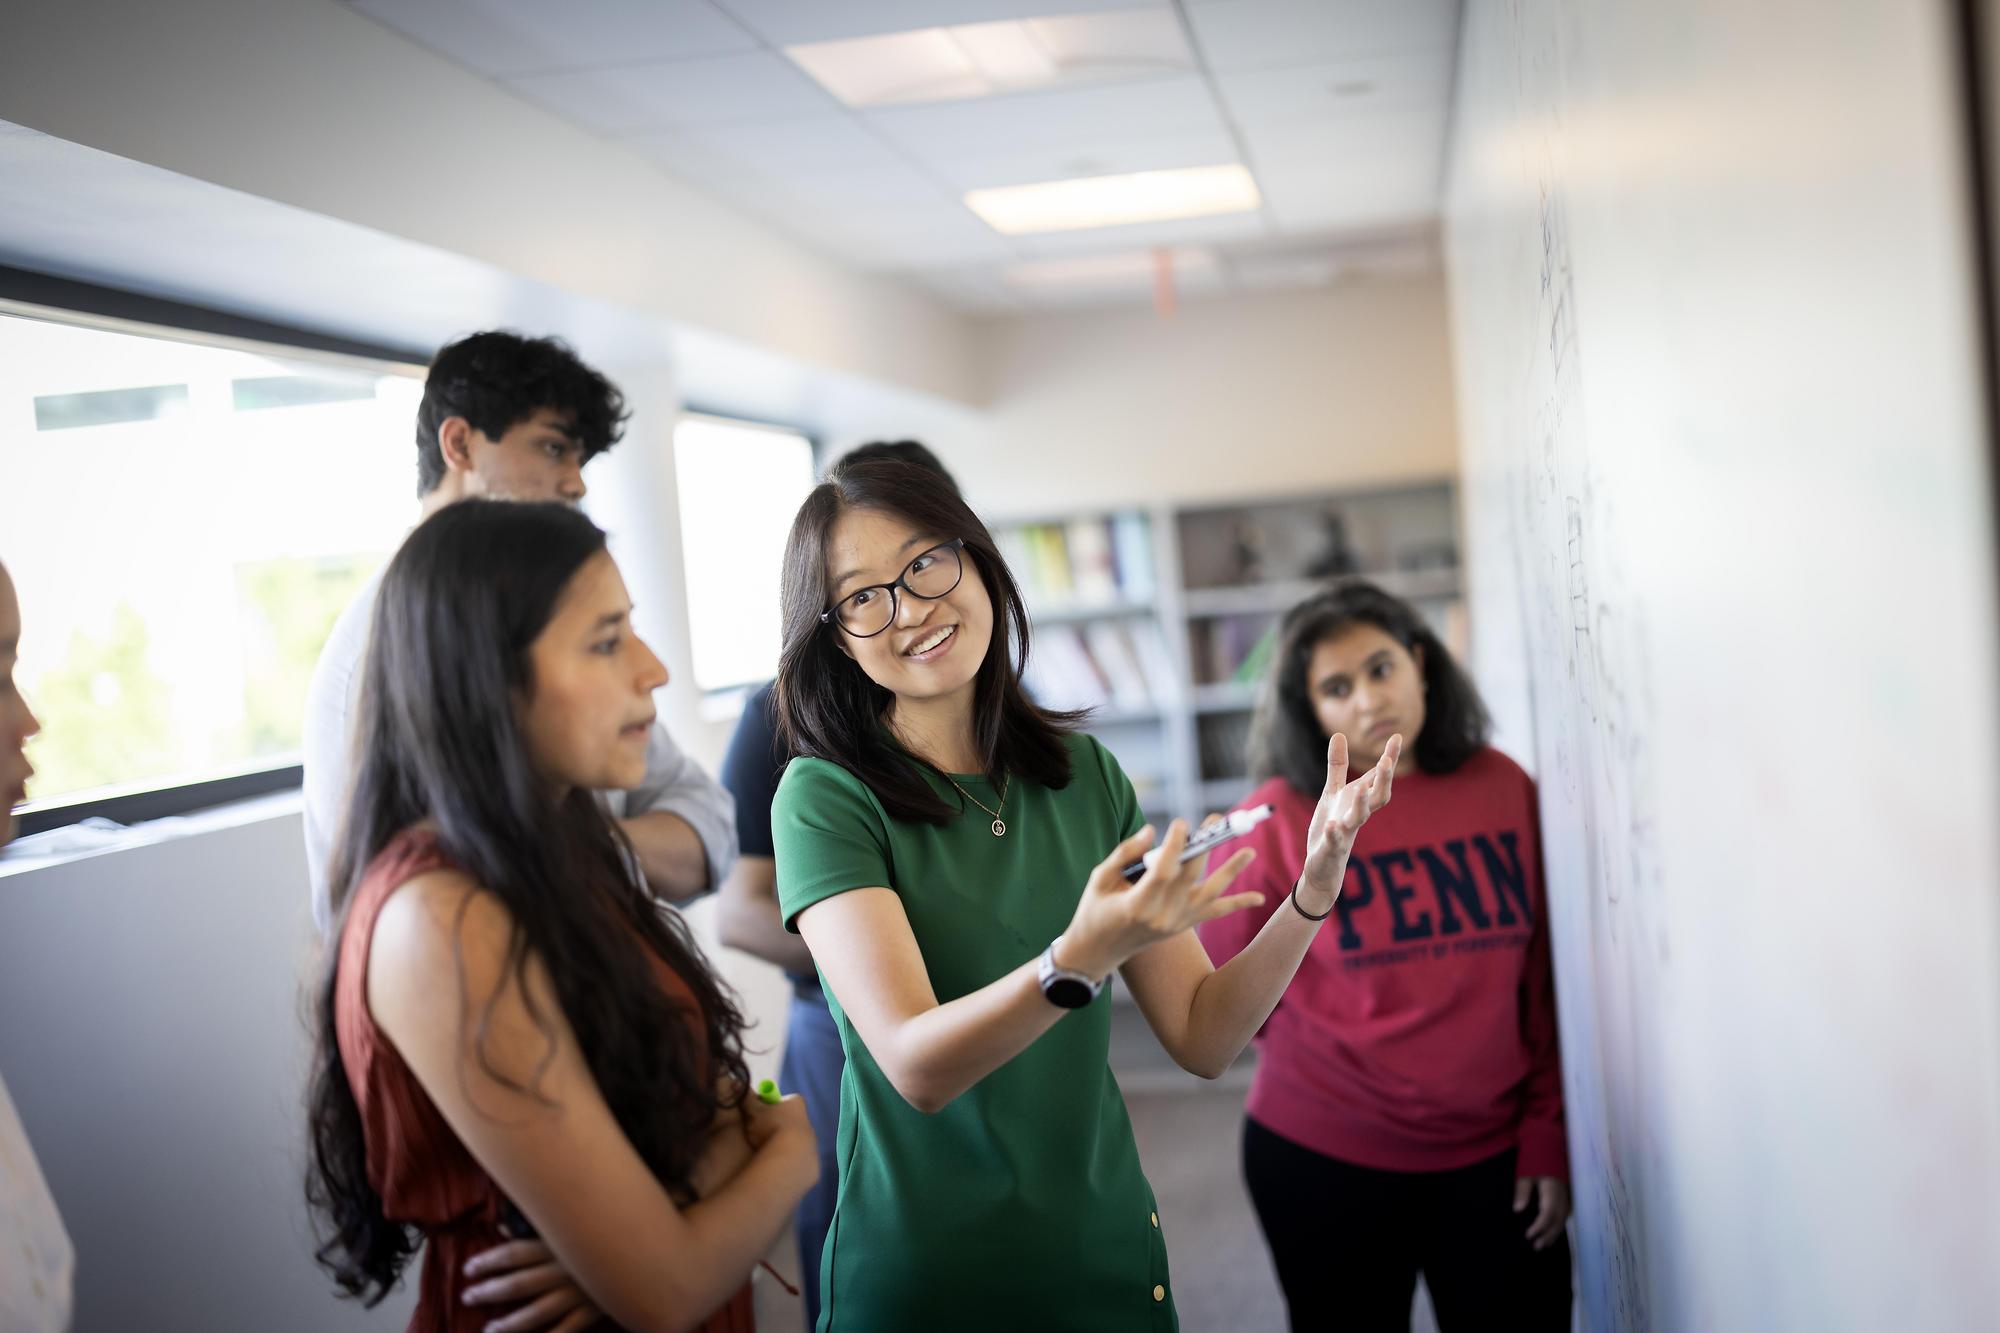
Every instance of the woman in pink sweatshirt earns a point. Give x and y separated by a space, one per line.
1407 1111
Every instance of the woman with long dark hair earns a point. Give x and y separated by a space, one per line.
953 855
510 1032
1406 1115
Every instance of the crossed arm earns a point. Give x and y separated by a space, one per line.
522 1099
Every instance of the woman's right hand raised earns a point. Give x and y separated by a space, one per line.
1115 919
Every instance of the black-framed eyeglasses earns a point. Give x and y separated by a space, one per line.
866 612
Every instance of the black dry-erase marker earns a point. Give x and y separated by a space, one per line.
1204 840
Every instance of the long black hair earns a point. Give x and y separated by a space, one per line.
827 706
1285 736
438 738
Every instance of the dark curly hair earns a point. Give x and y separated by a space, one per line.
1285 736
497 380
448 651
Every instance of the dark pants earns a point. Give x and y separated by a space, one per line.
811 1067
1348 1242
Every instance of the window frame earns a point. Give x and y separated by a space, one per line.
725 702
33 295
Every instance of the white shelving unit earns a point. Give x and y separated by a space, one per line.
1217 580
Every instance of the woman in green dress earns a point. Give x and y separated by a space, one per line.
952 855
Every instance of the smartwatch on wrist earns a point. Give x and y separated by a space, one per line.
1065 989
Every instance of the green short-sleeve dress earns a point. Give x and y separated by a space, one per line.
1020 1205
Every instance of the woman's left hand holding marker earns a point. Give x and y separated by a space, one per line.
1115 919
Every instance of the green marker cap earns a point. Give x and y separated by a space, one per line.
768 1091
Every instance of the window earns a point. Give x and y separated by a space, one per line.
740 484
183 519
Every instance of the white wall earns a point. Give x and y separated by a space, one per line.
1728 504
153 1035
1233 397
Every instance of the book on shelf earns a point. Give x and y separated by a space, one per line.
1250 671
1092 569
1156 664
1113 653
1050 561
1013 544
1132 546
1107 664
1083 562
1062 674
1231 645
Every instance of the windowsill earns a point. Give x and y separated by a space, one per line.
724 705
91 838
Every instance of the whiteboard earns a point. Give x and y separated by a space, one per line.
1731 566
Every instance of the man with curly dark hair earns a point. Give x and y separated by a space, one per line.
514 418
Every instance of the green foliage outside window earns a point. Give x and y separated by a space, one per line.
107 717
287 609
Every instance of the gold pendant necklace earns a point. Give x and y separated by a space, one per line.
999 824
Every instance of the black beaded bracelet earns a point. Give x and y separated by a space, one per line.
1303 912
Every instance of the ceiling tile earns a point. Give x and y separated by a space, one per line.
907 240
1336 89
786 22
1253 34
1152 36
693 163
1417 134
831 142
941 132
525 36
808 194
716 90
1371 194
1084 157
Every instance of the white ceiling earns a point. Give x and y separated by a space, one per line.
1338 107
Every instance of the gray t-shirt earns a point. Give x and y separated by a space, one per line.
673 781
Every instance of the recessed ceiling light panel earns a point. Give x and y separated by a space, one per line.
990 59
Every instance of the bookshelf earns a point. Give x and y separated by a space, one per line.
1162 620
1097 590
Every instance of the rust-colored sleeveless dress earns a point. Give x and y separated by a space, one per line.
416 1163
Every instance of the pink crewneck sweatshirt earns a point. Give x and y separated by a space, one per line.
1420 1031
